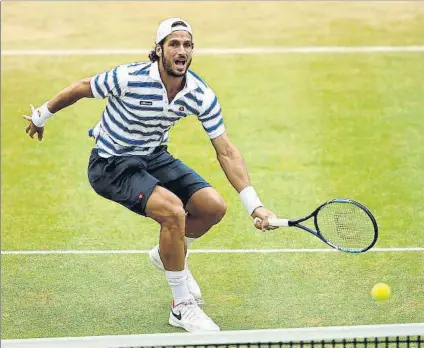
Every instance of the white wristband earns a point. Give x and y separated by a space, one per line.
42 114
250 199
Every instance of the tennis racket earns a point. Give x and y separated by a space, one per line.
342 223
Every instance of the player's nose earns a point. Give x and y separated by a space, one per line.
181 56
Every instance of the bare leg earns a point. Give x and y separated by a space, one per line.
167 209
205 209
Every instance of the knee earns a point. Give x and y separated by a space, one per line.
172 214
221 209
216 210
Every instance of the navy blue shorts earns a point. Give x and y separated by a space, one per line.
130 180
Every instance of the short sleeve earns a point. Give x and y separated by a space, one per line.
211 116
112 82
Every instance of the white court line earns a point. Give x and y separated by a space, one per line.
198 251
221 51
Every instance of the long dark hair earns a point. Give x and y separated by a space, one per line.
153 55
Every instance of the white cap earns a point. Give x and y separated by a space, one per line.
166 27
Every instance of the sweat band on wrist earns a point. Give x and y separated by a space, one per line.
43 115
250 199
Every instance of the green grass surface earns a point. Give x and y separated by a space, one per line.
311 127
308 133
80 295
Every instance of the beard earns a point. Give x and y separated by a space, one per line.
167 65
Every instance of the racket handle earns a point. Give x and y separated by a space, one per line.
275 222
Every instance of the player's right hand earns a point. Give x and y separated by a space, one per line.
32 129
261 216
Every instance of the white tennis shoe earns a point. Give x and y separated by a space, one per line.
192 285
189 316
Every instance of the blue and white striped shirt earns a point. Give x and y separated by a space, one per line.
138 116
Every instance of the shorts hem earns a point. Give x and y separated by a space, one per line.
197 188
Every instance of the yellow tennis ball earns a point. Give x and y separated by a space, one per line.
381 292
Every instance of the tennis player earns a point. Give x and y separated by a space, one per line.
130 163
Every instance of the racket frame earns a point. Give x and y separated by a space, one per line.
317 233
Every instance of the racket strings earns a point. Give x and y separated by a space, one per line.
346 225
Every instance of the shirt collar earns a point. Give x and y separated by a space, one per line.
190 85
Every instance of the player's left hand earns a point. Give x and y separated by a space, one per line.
262 215
32 129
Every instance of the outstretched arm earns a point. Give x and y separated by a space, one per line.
68 96
233 165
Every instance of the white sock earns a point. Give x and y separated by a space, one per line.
178 284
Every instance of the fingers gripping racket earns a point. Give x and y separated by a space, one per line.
342 223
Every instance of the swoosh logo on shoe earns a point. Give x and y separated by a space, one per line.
178 316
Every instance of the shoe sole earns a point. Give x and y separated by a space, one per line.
174 323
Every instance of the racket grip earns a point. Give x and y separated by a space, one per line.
275 222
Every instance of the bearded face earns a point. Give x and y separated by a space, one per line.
176 54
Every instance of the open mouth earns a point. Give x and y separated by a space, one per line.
180 62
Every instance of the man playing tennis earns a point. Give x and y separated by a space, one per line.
130 163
